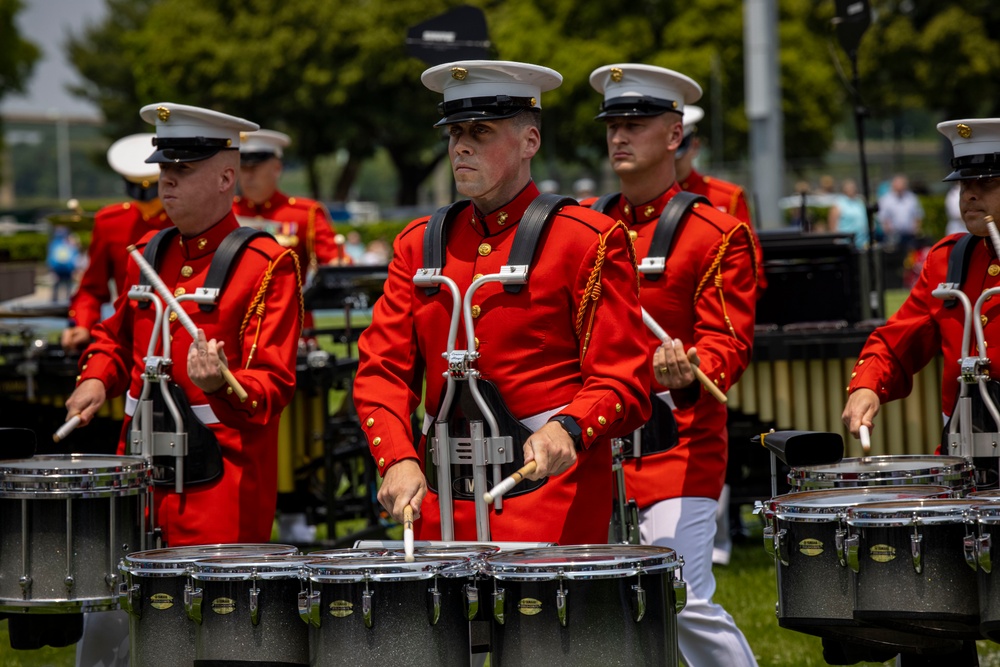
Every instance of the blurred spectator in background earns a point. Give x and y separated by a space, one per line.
801 218
584 188
377 253
955 223
900 213
355 247
63 258
848 214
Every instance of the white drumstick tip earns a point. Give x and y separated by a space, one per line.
66 428
866 438
408 534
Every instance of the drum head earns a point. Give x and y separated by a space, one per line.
474 551
386 568
240 568
924 511
883 470
73 474
597 561
175 561
827 504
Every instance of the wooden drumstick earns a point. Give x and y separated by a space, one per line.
408 534
182 316
509 483
66 428
658 331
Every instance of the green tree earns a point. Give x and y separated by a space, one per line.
17 55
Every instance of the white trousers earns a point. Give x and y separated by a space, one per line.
105 640
707 634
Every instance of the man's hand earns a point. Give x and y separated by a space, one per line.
672 368
862 406
552 450
404 484
86 400
75 338
205 363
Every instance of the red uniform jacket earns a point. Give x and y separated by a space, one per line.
115 228
298 223
529 347
706 297
239 506
728 198
923 328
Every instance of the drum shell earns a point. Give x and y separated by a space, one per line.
75 517
160 632
401 632
988 520
600 628
903 470
942 599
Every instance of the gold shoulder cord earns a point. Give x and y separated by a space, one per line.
714 272
257 304
593 290
311 238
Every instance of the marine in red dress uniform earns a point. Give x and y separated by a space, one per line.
115 228
254 326
560 346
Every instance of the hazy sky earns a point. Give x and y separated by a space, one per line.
47 23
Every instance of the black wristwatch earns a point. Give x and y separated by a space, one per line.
571 427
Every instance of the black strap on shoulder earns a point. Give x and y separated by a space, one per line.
666 227
530 229
225 256
958 263
153 254
434 237
605 202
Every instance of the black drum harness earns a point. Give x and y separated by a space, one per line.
178 456
482 401
661 429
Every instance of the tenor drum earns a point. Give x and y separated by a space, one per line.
915 565
805 532
954 472
586 605
246 609
154 586
988 557
382 611
65 522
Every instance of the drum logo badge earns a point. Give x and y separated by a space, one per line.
223 605
161 601
341 608
529 606
810 547
882 553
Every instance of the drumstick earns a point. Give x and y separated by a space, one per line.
182 316
509 483
866 438
66 428
408 534
658 331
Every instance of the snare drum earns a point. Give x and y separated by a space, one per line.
65 522
153 590
586 605
915 565
805 533
246 608
382 611
954 472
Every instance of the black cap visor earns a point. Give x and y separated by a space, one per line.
187 149
137 192
971 167
250 159
635 105
483 108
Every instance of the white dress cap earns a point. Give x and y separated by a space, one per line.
488 89
186 134
127 157
264 141
633 89
692 116
976 146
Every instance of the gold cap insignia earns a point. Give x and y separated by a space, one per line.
674 104
459 73
964 130
243 136
534 102
616 74
163 113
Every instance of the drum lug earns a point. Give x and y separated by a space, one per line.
309 608
433 604
638 602
851 546
471 601
254 607
366 607
916 552
562 605
781 546
839 539
769 540
983 552
498 604
192 603
680 589
129 598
